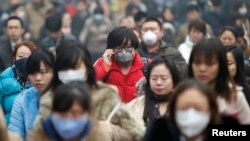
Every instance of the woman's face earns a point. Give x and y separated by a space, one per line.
192 113
228 38
161 82
231 64
205 71
192 98
75 112
41 80
23 52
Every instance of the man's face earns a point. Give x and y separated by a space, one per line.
153 27
14 29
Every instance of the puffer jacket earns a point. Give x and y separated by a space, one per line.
24 112
9 89
126 84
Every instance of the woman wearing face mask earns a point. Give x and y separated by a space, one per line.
25 109
121 65
161 78
70 119
208 64
14 79
235 61
191 109
73 63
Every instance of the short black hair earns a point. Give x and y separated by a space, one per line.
192 7
13 18
122 36
53 22
199 25
38 56
139 16
66 94
153 19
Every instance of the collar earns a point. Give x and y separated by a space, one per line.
13 44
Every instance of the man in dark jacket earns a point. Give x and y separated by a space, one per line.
53 24
14 29
153 45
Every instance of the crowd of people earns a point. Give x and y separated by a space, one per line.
128 70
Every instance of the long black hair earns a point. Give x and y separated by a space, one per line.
240 76
149 109
68 54
209 49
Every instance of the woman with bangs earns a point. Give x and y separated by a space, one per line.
25 109
208 64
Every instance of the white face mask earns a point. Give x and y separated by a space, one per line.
243 10
149 38
191 122
72 75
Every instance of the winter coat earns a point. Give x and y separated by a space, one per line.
125 83
105 99
186 48
24 112
9 90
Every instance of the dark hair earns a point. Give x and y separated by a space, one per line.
53 22
229 28
216 2
29 44
122 36
209 49
98 10
13 18
68 54
153 19
139 16
204 89
149 104
199 25
38 56
240 76
192 7
66 94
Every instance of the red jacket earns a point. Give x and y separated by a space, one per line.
124 83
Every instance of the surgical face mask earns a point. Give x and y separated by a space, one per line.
69 128
72 75
124 57
191 122
98 18
149 38
242 11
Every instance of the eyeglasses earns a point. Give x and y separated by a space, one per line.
120 48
